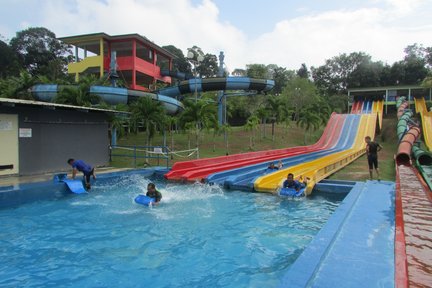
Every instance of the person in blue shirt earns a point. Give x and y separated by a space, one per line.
291 183
87 170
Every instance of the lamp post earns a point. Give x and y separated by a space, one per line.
195 58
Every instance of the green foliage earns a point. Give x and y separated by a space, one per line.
209 66
258 71
198 114
79 95
17 87
149 114
9 62
298 93
180 63
303 72
251 125
41 53
281 76
309 120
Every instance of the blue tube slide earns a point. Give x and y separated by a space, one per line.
176 74
111 95
218 83
116 95
244 178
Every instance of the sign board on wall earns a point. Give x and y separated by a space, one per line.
5 125
25 132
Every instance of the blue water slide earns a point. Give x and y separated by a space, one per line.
111 95
244 178
366 106
176 74
218 83
116 95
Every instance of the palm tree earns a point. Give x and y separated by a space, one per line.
251 125
273 107
171 123
200 114
262 114
309 120
80 95
148 113
17 87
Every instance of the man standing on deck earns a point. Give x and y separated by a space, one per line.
372 149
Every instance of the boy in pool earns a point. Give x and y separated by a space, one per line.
153 193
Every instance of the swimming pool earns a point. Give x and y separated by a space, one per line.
200 236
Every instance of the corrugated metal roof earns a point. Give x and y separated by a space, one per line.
13 102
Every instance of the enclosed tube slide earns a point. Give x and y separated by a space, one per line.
111 95
116 95
406 144
218 83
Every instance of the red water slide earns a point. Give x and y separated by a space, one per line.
354 108
198 169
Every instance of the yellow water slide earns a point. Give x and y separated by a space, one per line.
426 119
322 167
378 108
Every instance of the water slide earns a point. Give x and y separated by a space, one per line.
413 237
356 108
116 95
199 169
243 178
322 167
426 120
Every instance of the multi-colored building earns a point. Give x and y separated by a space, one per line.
139 61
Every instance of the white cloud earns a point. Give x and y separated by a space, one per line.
383 30
312 39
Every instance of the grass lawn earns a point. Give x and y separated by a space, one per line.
239 142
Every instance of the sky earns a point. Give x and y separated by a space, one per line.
282 32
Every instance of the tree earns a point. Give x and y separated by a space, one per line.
41 52
251 125
148 113
17 87
180 63
199 114
209 66
298 93
308 120
79 95
303 72
9 62
334 77
281 76
257 71
273 106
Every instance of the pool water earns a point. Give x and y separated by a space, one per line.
200 236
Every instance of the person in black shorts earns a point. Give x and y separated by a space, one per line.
372 149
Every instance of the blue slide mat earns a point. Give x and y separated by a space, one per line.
75 186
